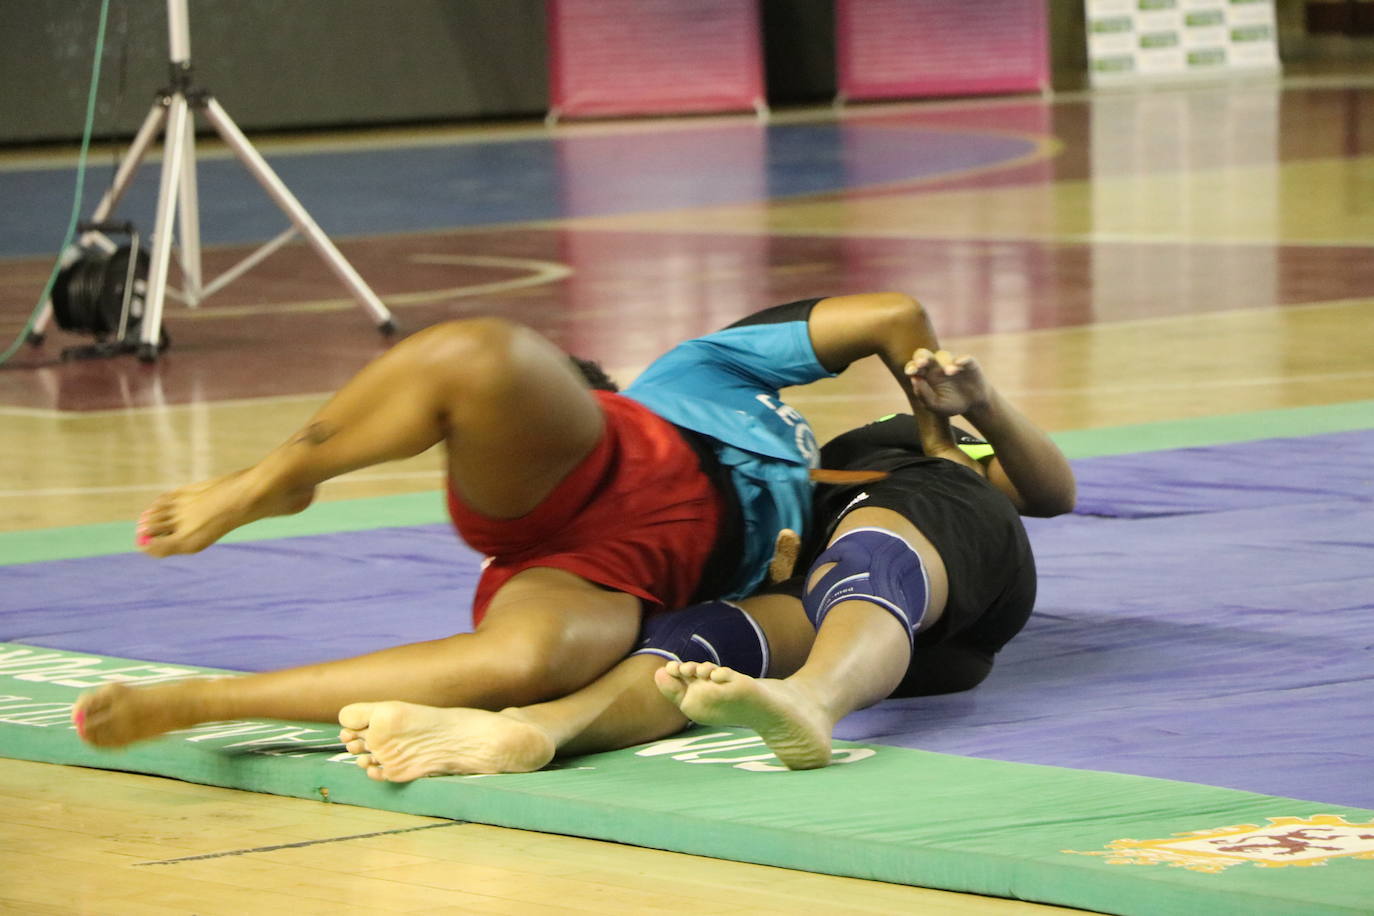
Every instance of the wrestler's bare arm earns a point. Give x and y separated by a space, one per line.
1027 466
890 326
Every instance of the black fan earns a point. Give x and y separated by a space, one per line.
101 293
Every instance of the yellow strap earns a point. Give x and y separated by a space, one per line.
978 451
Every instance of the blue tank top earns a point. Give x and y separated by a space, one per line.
725 386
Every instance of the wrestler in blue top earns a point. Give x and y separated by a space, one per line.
726 386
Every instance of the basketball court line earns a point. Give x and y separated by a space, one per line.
964 342
387 138
1041 147
301 845
426 507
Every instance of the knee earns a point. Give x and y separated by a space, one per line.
718 631
514 685
478 353
489 671
457 343
871 565
521 671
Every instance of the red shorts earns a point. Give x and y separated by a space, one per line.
637 515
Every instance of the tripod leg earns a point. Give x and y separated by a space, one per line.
284 199
173 159
123 176
131 161
188 219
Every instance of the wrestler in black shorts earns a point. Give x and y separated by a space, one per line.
974 527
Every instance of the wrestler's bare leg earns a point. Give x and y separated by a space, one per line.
795 716
859 657
515 418
227 502
400 742
514 414
546 633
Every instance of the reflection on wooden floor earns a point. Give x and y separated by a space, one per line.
1179 254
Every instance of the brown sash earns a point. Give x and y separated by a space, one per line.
824 475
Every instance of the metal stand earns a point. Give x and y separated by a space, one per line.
177 203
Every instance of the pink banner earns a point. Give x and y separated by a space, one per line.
628 57
913 48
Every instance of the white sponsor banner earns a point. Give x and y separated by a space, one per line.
1135 40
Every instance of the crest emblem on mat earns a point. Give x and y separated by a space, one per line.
1285 841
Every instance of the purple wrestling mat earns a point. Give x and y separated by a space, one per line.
1207 615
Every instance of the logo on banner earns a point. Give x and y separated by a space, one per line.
1286 841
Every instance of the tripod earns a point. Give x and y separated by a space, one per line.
177 202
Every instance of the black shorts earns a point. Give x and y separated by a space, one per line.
973 526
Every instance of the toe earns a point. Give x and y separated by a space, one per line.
156 546
148 531
671 687
356 716
156 524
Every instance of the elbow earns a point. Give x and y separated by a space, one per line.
899 309
900 325
1060 501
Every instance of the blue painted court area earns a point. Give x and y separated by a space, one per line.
1206 616
429 187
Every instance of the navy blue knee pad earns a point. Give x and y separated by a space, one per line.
873 565
718 632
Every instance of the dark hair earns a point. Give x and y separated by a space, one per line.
594 374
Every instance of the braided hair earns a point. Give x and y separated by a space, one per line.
594 374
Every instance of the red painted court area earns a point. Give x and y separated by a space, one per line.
1130 207
623 297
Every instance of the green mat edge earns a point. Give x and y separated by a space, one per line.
573 817
816 832
75 542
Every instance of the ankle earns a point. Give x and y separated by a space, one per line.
530 716
275 474
825 702
277 484
202 700
546 741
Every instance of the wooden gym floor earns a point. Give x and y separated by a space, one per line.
1115 259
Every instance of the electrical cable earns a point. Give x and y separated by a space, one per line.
80 186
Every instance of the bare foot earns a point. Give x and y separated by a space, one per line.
399 742
191 518
116 715
791 723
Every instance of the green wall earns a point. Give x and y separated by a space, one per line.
274 63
